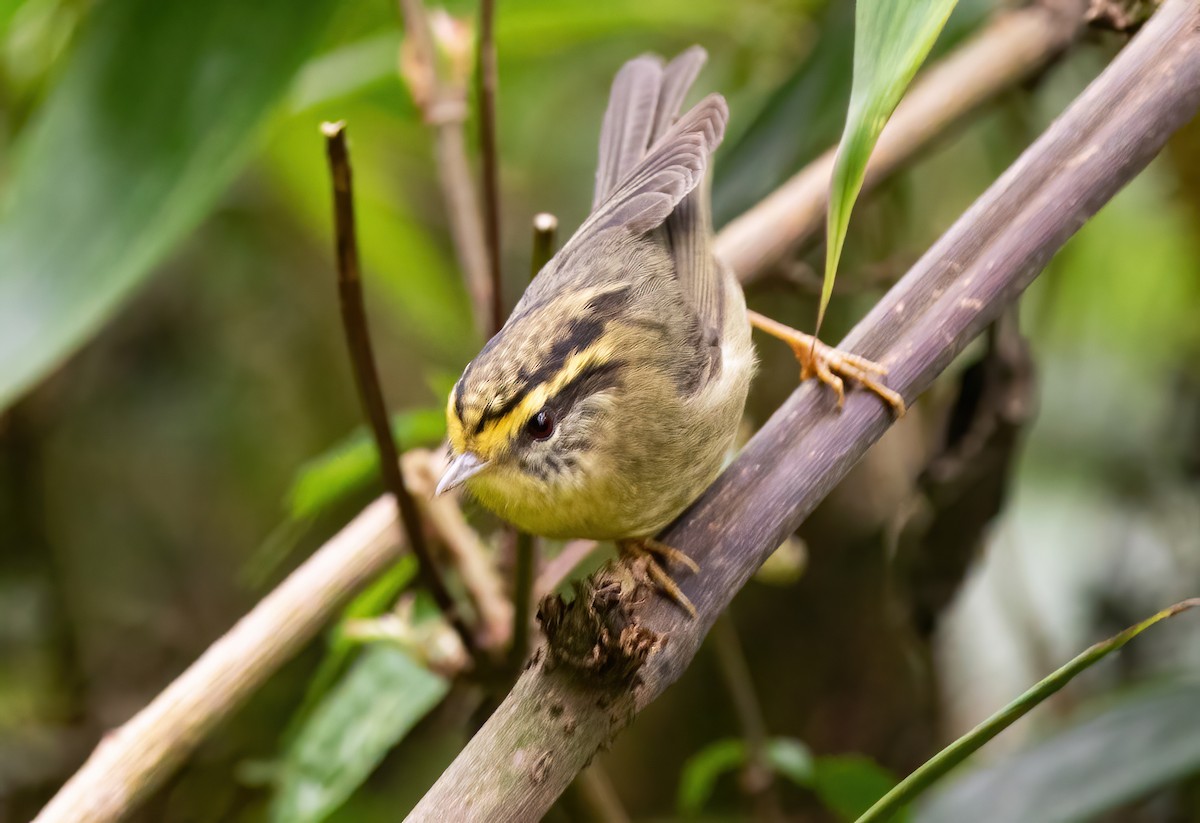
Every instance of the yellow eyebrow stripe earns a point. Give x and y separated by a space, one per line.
497 434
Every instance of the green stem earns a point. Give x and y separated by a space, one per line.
958 751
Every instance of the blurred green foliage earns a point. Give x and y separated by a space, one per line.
166 218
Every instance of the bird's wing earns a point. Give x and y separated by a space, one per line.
642 108
688 230
671 170
629 123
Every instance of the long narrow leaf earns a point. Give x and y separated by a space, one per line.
152 118
1146 741
968 744
375 705
891 40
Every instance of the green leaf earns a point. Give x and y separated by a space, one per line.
1146 741
381 698
702 769
792 759
154 114
803 115
786 757
354 462
891 40
958 751
849 784
373 601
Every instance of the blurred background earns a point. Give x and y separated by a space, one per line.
179 429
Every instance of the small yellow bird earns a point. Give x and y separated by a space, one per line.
612 395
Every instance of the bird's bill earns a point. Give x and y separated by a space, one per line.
461 467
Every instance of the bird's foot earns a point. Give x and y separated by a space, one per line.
656 556
831 366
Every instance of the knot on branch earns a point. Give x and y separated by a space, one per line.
598 635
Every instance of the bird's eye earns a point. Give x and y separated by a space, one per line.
541 425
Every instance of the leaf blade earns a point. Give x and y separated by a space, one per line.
154 115
958 751
375 705
891 41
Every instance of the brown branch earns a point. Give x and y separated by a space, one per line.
1013 47
466 551
486 62
132 761
578 696
366 376
598 795
545 227
561 565
441 96
545 239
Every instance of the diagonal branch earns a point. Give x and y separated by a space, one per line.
585 689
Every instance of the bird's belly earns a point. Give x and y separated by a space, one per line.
635 504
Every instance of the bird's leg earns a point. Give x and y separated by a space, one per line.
829 365
656 557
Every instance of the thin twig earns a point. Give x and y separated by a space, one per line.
524 570
561 565
545 240
486 62
465 550
441 96
1010 49
366 376
758 776
545 227
597 792
617 649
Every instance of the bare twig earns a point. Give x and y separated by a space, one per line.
544 229
130 762
523 572
757 776
597 793
366 377
562 710
1010 49
545 234
561 565
486 62
441 97
467 552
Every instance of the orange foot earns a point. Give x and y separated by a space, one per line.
829 365
658 556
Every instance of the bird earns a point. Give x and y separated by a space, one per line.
611 397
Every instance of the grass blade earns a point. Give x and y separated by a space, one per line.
968 744
891 40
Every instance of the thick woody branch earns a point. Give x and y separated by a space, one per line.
1012 48
558 716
